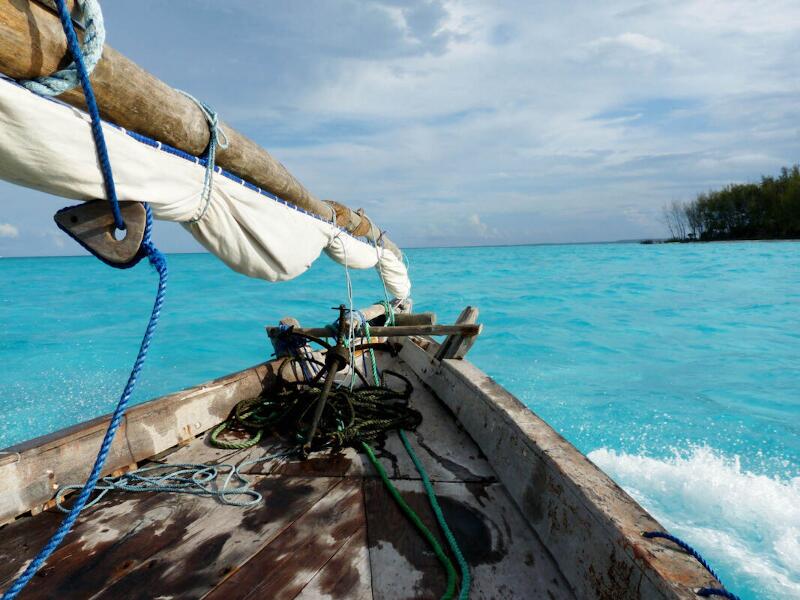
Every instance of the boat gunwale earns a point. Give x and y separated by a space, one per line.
567 481
31 471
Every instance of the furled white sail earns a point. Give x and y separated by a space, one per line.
48 146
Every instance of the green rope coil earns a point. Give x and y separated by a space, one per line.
349 417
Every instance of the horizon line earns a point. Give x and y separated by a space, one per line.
443 247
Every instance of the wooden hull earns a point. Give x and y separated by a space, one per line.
536 519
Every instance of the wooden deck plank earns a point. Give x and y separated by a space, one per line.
283 568
506 558
346 575
150 545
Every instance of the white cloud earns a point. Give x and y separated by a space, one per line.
481 229
633 41
7 230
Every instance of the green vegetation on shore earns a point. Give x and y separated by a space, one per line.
769 209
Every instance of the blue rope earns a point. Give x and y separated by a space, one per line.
83 71
215 132
290 345
703 592
157 260
94 37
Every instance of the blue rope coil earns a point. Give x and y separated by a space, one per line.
703 592
159 263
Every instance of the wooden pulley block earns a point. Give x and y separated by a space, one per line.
91 224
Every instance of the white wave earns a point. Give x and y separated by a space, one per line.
745 524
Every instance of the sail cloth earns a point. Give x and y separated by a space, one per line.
47 145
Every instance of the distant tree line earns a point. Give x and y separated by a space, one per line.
769 209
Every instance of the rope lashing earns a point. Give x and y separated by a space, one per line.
291 345
90 15
157 260
703 592
215 136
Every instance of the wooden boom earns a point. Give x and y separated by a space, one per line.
470 329
32 44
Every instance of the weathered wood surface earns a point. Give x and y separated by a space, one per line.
32 44
156 545
33 470
505 557
424 318
284 567
457 345
346 575
93 224
589 524
534 517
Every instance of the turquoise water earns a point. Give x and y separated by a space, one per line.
674 366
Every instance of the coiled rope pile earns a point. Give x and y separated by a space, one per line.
350 415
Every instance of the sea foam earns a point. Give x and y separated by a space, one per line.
745 524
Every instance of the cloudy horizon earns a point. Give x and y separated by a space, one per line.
475 123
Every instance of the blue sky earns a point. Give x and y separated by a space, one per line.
475 122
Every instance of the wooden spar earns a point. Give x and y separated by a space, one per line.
469 329
32 44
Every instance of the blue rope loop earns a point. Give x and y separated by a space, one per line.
288 344
703 592
81 71
159 263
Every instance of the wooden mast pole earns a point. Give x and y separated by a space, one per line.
32 44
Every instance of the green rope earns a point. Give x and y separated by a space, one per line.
218 442
349 417
450 591
389 310
437 510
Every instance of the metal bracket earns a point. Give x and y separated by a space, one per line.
91 224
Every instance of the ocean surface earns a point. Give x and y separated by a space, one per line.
676 368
